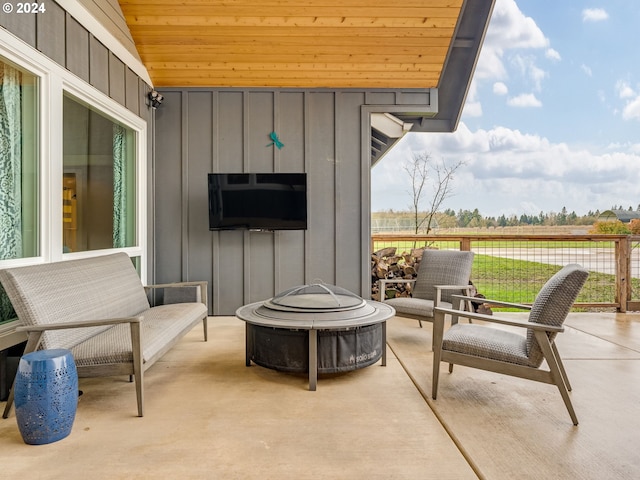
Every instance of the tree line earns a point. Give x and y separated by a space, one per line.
473 218
449 218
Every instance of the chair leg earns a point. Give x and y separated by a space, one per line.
7 407
438 332
420 323
140 393
436 377
206 331
563 372
33 341
138 371
556 372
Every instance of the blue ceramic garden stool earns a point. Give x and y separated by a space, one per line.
46 395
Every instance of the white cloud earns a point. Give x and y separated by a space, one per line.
594 14
509 28
500 88
631 110
552 54
624 89
513 45
537 75
510 172
524 100
472 107
528 69
586 70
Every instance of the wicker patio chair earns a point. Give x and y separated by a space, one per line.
441 274
510 353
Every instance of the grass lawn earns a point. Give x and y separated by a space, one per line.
519 281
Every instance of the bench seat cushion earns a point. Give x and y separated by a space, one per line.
162 326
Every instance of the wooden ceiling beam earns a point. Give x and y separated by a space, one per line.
288 82
287 22
248 67
199 34
175 44
228 58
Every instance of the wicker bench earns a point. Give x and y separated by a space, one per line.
98 308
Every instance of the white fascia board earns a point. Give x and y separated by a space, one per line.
98 30
389 125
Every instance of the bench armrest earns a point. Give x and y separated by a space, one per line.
201 290
35 333
80 324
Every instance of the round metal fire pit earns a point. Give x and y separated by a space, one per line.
317 328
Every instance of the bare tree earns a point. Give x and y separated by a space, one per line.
428 176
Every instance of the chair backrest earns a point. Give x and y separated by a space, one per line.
553 303
93 288
442 267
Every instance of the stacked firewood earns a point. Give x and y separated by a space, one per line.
386 263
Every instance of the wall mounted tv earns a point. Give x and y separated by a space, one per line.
257 201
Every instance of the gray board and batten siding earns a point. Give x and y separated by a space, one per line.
64 40
326 134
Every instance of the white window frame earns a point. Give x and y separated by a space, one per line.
53 82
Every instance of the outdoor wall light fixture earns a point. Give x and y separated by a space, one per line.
155 98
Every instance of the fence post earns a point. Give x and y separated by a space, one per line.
465 244
623 270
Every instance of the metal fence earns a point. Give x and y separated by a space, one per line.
514 267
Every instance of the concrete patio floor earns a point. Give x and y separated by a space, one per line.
209 417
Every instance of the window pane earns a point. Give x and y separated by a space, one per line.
18 163
19 237
98 180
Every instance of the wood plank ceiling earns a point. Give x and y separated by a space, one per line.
293 43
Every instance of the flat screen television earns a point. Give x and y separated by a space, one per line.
257 201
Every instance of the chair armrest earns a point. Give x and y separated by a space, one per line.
453 287
493 302
178 284
440 288
500 320
201 285
80 324
384 281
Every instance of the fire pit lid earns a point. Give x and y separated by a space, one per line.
315 297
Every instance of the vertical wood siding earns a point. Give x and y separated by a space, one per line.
199 131
61 38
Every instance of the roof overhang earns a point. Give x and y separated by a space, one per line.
424 45
295 43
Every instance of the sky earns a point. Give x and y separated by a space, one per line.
551 120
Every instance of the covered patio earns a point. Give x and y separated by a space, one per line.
209 416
